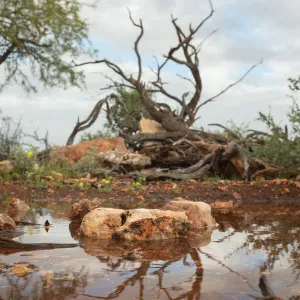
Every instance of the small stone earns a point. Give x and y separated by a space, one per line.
17 209
6 223
223 206
80 209
57 176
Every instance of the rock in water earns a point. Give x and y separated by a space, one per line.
6 223
153 224
17 209
80 209
17 204
102 223
198 213
136 224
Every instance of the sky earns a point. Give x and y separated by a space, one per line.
248 31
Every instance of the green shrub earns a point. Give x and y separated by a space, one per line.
89 163
25 161
281 147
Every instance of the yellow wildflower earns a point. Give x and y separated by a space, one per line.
174 186
29 154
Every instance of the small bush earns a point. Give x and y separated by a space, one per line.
89 163
25 162
282 148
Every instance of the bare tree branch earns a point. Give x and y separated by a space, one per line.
199 47
90 120
136 44
39 139
233 134
228 87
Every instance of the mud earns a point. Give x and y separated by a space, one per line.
155 195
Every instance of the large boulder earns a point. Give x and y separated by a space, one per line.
74 153
102 223
198 213
153 224
6 223
136 224
80 209
6 166
134 160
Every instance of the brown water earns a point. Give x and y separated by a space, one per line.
225 263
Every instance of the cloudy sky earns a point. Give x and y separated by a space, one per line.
248 31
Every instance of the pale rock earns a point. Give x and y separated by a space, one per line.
127 159
136 224
198 213
150 126
6 223
153 224
102 223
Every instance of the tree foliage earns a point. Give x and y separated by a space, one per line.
295 84
41 37
281 147
125 112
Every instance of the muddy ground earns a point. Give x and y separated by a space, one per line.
125 194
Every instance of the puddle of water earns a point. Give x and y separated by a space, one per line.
222 264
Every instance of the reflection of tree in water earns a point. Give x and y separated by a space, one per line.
277 236
141 272
50 285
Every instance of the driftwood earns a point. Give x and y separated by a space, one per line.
10 246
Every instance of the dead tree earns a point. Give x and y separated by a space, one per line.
162 112
175 124
90 120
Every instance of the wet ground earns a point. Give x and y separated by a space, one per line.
124 192
224 263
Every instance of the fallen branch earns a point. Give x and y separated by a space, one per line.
9 246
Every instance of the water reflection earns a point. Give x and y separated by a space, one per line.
44 285
222 264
